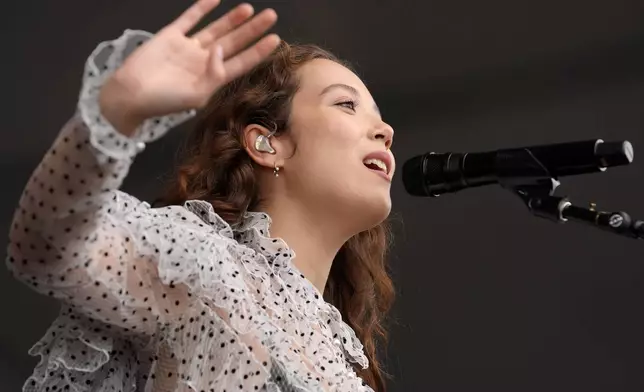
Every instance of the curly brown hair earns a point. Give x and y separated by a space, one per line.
215 167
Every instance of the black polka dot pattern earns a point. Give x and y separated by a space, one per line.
167 299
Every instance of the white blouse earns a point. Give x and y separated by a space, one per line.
162 299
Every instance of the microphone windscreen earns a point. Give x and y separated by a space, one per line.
413 176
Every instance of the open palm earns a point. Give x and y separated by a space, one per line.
173 72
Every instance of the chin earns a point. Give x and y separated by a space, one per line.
357 205
374 211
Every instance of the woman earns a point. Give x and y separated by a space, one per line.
198 295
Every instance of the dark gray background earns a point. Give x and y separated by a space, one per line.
490 298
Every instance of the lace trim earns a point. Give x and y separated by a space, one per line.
72 335
77 352
254 232
221 292
100 65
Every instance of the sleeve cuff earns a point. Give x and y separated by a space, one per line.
107 57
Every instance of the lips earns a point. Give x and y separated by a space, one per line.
379 161
376 164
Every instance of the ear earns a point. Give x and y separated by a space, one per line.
263 158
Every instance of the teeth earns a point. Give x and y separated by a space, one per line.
381 165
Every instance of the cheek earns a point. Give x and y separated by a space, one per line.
333 146
329 145
327 171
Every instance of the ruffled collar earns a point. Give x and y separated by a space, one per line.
254 233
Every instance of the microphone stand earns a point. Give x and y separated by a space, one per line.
539 197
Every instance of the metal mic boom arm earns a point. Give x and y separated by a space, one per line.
539 199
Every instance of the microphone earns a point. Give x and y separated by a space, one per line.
433 174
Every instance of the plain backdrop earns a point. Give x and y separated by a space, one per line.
490 298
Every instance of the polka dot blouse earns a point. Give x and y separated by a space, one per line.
162 299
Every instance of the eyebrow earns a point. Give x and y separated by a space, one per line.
350 89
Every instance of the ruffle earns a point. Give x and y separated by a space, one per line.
255 229
80 354
230 315
232 274
225 331
254 232
100 65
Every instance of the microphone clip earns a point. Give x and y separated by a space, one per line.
538 196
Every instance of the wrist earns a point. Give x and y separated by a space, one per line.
115 108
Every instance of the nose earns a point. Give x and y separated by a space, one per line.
385 133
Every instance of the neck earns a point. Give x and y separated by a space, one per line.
313 237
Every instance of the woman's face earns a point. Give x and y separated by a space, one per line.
341 162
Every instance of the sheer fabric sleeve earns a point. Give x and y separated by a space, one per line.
153 298
211 312
74 235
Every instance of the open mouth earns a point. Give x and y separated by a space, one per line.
376 164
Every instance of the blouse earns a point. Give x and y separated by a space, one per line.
162 299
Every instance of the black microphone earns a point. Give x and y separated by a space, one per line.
433 174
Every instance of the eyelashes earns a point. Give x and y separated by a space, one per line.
349 104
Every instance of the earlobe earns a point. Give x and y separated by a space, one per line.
276 170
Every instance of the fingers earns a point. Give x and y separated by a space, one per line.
223 25
194 14
250 57
217 67
238 39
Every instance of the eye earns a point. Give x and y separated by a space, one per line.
351 105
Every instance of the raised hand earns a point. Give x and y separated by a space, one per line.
173 71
